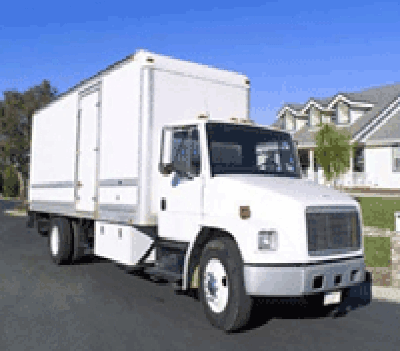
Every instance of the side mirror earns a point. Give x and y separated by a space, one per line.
166 169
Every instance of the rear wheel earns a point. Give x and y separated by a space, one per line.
79 239
60 241
222 292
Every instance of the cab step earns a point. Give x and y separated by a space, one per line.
157 273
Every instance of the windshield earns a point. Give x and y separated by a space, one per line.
241 149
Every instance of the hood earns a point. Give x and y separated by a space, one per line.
303 191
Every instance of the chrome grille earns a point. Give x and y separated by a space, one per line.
332 230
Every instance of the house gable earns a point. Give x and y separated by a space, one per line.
388 130
377 121
361 113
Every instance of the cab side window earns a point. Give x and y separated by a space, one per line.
186 152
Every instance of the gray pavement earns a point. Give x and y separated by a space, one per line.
95 305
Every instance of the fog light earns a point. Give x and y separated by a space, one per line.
267 240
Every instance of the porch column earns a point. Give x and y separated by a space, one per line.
311 174
350 172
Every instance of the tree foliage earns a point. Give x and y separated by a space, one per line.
333 150
16 112
10 186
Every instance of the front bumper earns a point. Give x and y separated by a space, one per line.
302 279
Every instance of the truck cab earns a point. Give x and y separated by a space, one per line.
232 192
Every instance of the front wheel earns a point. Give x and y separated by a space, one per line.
222 291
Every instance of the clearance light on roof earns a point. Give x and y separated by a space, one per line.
241 120
246 121
202 116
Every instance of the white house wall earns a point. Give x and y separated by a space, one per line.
378 167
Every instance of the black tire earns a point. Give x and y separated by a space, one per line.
236 313
64 249
78 242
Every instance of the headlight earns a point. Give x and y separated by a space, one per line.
267 240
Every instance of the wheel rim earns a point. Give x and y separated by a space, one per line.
54 240
216 287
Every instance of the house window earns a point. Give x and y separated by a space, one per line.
325 118
358 165
396 158
315 117
343 113
290 123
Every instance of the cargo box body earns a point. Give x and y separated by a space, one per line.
95 149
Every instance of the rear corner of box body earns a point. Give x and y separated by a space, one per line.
53 153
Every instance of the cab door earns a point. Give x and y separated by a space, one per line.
181 201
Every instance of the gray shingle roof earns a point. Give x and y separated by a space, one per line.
277 123
381 97
295 106
390 130
323 101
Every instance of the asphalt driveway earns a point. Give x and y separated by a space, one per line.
95 305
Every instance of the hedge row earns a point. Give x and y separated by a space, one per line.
9 184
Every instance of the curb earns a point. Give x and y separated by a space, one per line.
386 294
16 213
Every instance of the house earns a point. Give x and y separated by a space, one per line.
372 117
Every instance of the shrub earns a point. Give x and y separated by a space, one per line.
11 183
1 182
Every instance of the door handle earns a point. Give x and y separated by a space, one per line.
163 204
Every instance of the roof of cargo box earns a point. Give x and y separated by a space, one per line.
199 121
118 63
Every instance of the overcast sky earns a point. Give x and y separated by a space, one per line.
290 50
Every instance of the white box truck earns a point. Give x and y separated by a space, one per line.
154 164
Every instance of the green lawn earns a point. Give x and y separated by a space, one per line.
377 251
378 211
